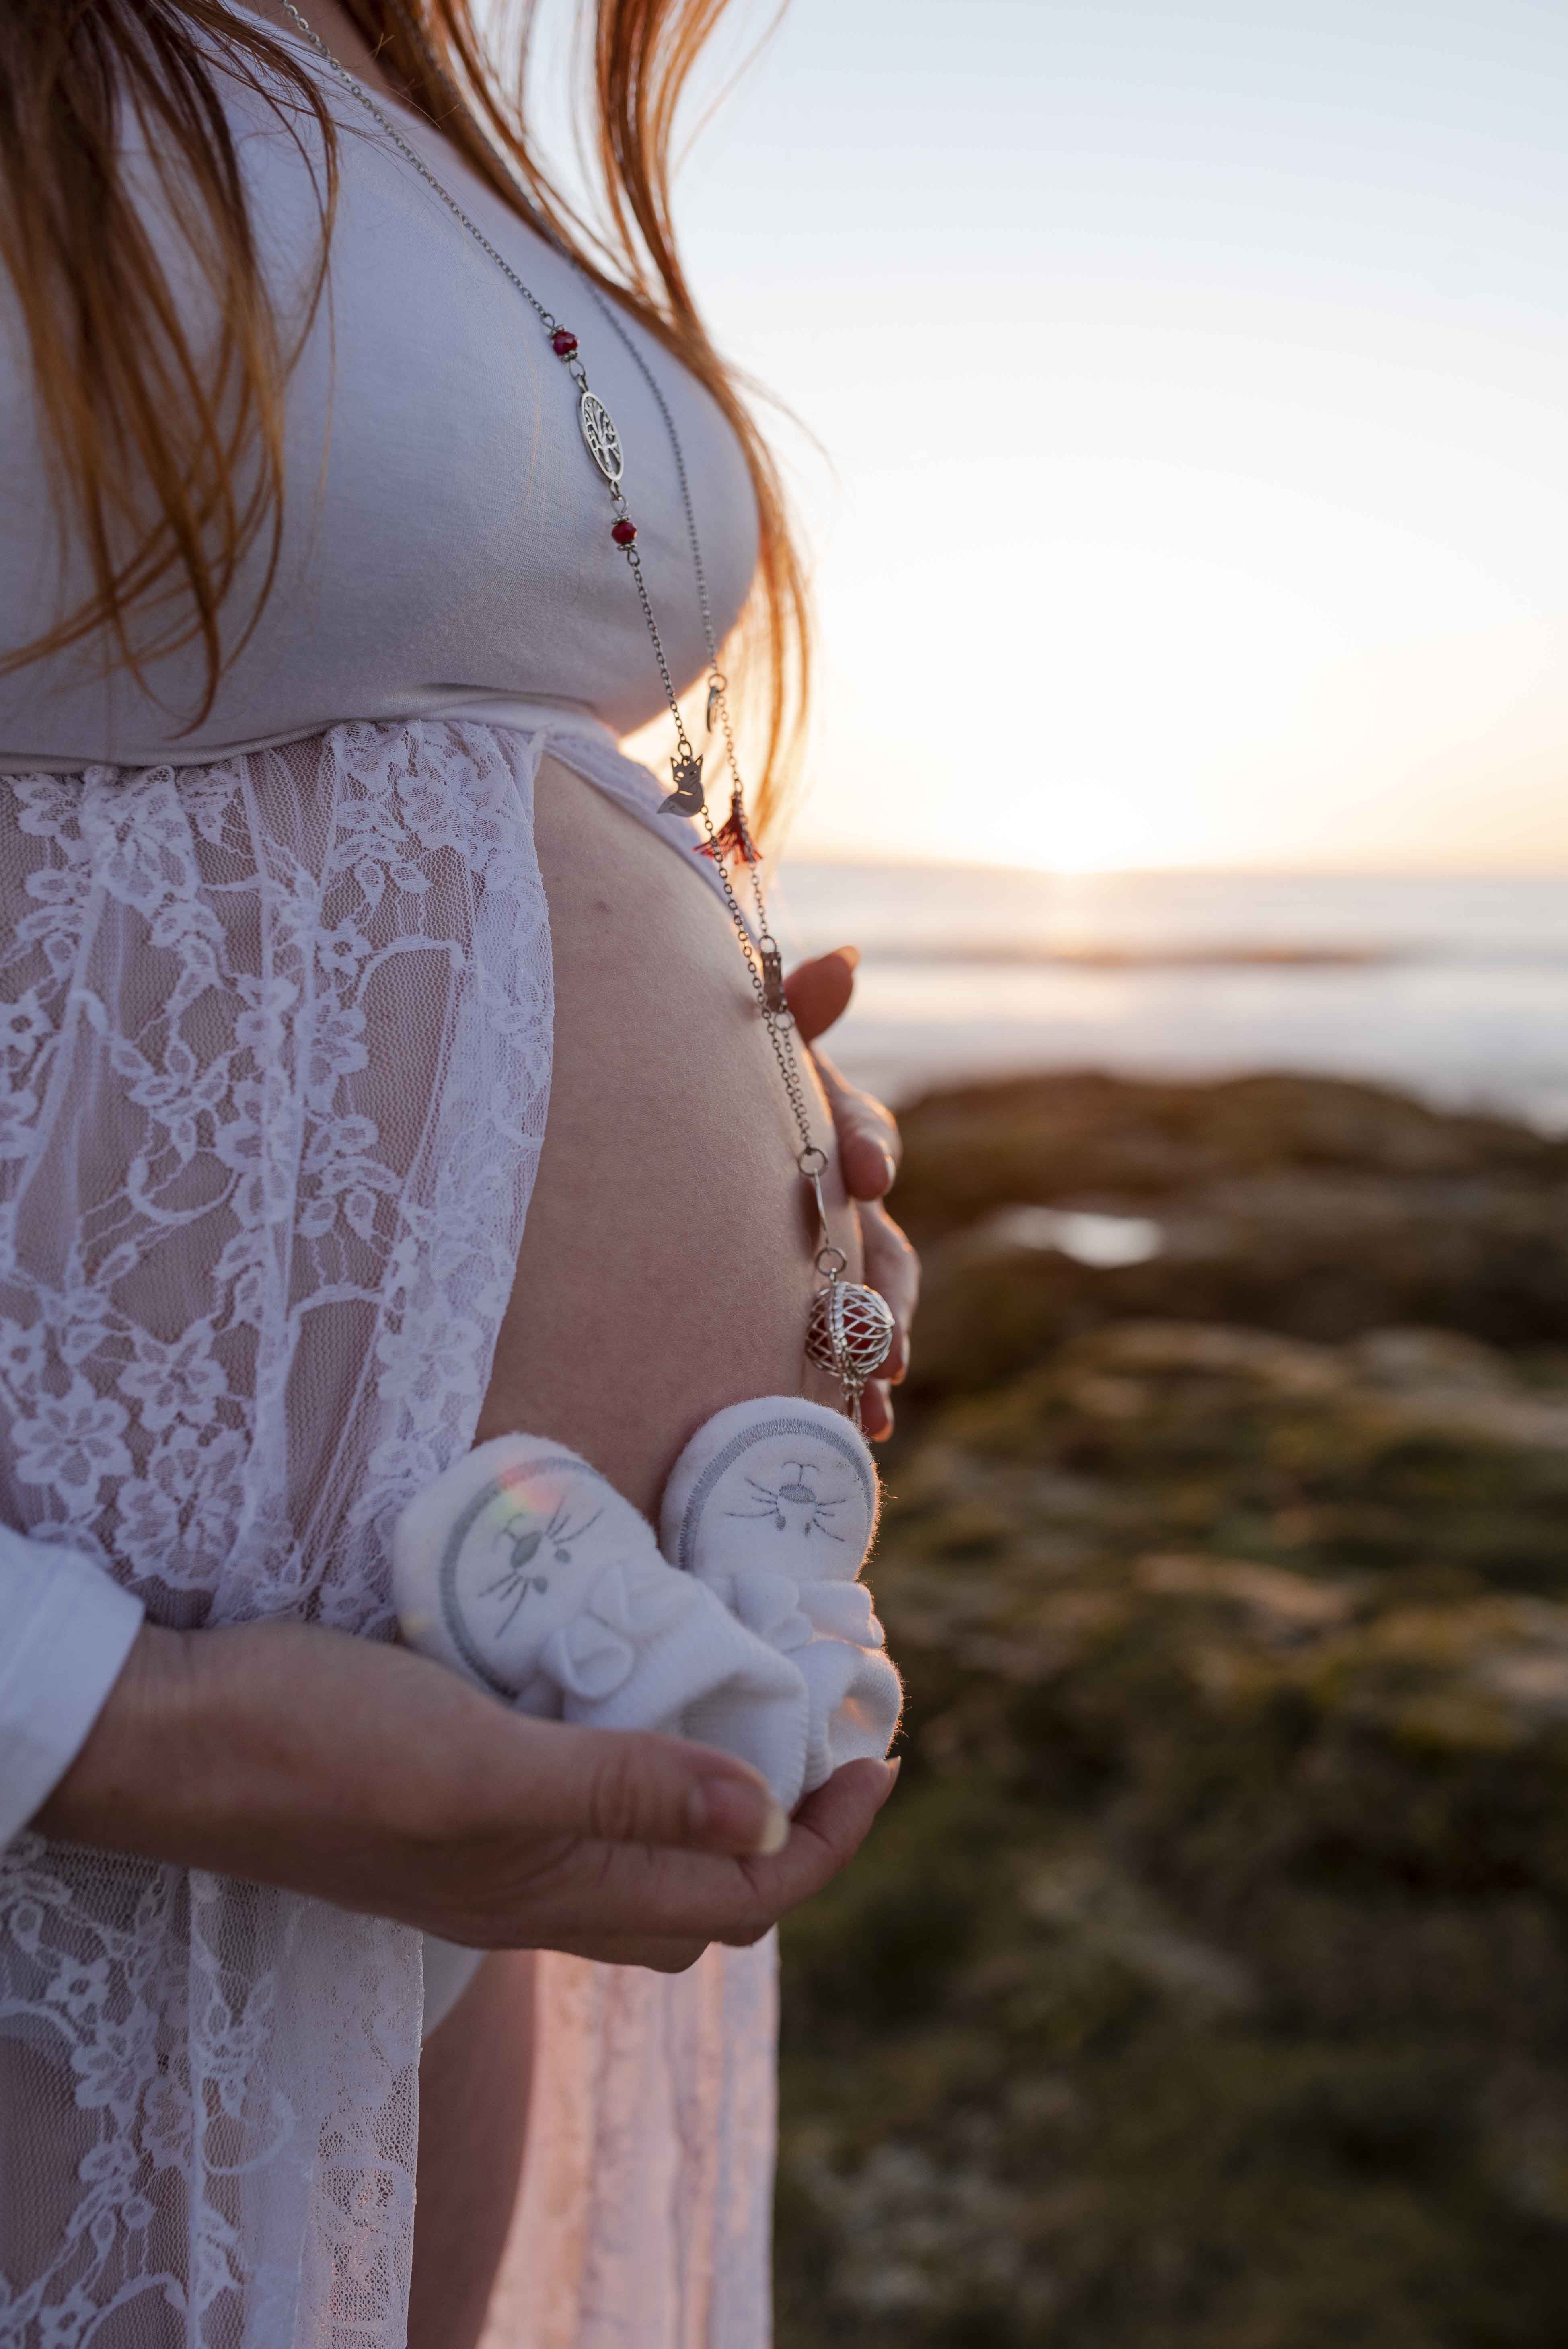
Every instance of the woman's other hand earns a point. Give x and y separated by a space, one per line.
375 1779
869 1149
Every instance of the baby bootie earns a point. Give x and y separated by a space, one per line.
523 1569
772 1505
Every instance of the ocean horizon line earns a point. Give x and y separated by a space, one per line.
855 859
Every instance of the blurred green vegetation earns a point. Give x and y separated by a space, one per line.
1205 1986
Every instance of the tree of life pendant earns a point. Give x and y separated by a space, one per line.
603 442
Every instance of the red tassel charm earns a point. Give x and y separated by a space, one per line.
733 837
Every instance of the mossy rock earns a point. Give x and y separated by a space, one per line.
1205 1986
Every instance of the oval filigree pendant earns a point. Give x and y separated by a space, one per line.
849 1331
603 442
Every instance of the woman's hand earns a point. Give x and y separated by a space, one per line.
869 1149
379 1780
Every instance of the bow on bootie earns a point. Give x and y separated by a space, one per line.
523 1569
773 1507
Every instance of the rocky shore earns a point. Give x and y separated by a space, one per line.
1206 1986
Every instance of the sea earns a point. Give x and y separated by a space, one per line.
1452 987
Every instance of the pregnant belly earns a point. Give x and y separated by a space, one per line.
665 1270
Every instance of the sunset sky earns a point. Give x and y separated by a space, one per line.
1196 381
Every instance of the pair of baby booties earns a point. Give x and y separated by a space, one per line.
743 1623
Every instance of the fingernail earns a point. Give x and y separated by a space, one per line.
892 1164
851 955
893 1767
733 1815
775 1833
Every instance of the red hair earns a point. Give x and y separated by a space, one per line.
169 465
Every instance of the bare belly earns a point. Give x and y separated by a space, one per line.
666 1265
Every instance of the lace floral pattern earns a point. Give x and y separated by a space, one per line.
275 1058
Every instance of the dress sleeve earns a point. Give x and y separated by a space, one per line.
65 1630
274 1060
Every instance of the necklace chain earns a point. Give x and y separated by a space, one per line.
777 1021
779 1037
763 963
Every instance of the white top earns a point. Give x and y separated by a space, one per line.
447 538
447 552
275 1029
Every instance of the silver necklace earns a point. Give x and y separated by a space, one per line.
849 1329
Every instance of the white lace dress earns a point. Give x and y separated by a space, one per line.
275 1034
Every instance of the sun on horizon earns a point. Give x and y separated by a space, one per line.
1195 489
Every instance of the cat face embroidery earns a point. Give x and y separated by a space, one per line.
527 1538
795 1503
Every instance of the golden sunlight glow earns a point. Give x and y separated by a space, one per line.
1200 490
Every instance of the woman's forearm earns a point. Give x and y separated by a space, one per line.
238 1749
367 1777
260 1750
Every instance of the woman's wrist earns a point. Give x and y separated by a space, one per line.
134 1774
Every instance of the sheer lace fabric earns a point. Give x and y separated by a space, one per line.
275 1060
276 1042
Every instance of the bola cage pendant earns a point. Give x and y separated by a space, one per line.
849 1331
